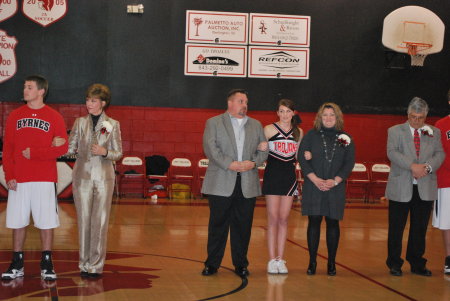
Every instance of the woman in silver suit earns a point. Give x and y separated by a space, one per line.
95 138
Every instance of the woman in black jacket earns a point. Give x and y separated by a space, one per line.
331 155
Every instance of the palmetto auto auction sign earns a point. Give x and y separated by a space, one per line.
287 30
278 62
8 65
215 60
216 27
7 9
44 12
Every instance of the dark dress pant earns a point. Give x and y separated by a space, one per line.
232 214
419 217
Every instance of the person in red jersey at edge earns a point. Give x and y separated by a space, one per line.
35 135
441 216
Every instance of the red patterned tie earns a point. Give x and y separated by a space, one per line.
417 142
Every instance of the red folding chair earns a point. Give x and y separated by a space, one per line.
379 173
157 183
202 165
358 183
131 173
300 179
261 170
181 172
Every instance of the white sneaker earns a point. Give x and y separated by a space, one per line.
282 268
272 267
15 270
12 273
47 271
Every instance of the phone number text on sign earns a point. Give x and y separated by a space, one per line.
208 60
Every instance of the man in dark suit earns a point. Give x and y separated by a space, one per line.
415 152
235 146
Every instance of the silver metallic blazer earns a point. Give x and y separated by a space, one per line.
81 138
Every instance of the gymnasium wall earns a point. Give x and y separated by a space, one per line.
163 112
141 57
178 132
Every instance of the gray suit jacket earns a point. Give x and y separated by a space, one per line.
219 145
402 153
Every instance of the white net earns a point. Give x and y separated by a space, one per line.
417 59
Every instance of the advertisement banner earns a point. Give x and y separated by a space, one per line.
216 27
291 31
278 62
215 60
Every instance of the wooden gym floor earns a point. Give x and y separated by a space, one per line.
156 252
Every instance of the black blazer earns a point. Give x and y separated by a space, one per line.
341 165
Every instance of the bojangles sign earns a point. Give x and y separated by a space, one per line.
44 12
8 64
7 9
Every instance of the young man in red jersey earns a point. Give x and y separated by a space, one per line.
441 212
35 135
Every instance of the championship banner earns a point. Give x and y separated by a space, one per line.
211 60
216 27
278 62
8 65
7 9
292 31
44 12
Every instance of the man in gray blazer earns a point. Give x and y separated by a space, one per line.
235 146
415 152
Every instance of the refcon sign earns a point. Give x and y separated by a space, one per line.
280 59
278 62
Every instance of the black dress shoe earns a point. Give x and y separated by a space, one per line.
84 274
208 271
394 271
94 275
311 268
242 272
421 271
331 269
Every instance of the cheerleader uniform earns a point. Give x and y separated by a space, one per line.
279 176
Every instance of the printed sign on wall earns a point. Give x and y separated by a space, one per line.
8 65
7 9
292 31
216 27
215 60
278 62
44 12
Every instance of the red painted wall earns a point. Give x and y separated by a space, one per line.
178 132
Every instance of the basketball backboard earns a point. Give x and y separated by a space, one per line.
414 30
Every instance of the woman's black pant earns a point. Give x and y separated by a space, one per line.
313 236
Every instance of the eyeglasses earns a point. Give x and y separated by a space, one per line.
416 117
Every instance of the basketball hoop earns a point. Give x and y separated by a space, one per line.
415 31
414 50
